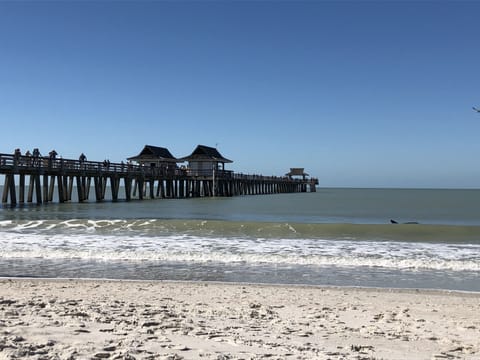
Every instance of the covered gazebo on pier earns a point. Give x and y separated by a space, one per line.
205 161
297 172
156 157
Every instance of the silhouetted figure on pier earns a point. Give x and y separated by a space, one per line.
52 155
36 154
82 158
17 154
28 154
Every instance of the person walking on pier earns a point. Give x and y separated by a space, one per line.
17 155
82 160
28 154
36 154
52 155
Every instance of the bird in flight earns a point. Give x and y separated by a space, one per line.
474 108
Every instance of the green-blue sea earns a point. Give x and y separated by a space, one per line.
335 236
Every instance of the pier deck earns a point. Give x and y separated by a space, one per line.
39 178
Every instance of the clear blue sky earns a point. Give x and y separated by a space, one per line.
359 93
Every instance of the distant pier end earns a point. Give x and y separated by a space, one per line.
299 173
153 173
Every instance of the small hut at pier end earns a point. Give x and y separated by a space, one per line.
205 160
156 157
297 173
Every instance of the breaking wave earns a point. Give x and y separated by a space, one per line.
270 230
414 247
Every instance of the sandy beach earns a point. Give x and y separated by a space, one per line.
88 319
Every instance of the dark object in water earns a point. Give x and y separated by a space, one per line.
408 222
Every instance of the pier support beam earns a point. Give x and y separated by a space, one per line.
45 188
80 189
61 192
38 189
21 189
127 181
9 188
51 188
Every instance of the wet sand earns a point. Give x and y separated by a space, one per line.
91 319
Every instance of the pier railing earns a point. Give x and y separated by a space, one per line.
23 162
50 165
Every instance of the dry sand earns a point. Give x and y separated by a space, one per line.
83 319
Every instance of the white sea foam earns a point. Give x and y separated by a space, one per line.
291 228
185 248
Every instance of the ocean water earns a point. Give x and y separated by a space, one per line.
331 237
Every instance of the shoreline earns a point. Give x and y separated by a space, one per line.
143 319
402 290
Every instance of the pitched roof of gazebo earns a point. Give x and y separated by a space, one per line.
150 152
205 153
297 172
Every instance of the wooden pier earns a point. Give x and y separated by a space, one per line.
40 178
